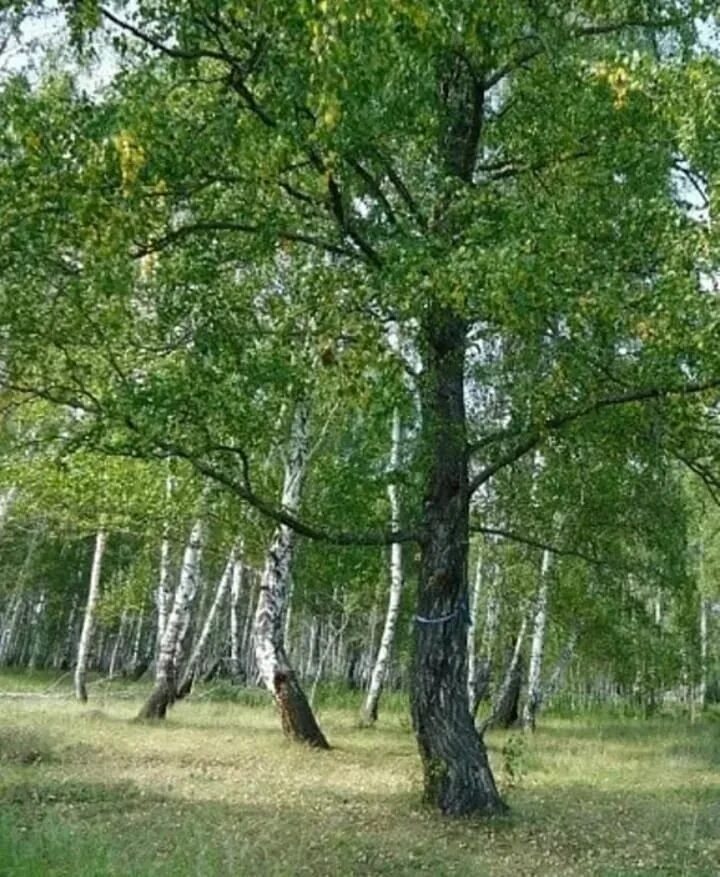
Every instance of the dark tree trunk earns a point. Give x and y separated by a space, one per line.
507 709
296 716
457 775
161 699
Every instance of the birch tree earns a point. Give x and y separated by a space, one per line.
165 688
88 626
278 675
499 172
370 708
540 617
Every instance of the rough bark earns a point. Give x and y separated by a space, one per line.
164 691
89 618
457 776
277 674
370 708
533 698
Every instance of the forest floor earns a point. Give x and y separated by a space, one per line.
216 790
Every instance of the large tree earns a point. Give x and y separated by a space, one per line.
501 181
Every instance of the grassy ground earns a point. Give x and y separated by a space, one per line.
216 791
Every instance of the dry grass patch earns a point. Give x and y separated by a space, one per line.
216 790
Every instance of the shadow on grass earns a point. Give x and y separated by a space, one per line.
68 826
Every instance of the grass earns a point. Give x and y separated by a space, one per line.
216 790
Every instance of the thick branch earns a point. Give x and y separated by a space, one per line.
533 437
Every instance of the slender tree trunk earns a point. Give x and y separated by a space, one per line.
7 497
164 592
279 677
220 591
10 625
504 712
472 652
89 619
38 630
484 672
331 641
563 662
235 592
534 686
65 656
702 688
370 709
457 775
117 645
137 640
163 693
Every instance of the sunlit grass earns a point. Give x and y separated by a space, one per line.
216 790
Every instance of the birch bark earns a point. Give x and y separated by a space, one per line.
534 687
197 652
236 582
471 650
277 674
89 618
163 693
370 708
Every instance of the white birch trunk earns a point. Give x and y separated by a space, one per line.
236 582
7 498
273 665
137 640
537 647
118 644
370 709
558 674
220 591
37 630
702 688
471 651
164 593
10 623
163 694
501 701
89 618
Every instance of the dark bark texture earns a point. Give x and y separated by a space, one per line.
457 776
296 716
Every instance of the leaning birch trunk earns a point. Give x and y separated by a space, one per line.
197 652
537 647
277 674
563 662
10 624
504 707
117 645
370 708
471 650
483 675
163 693
89 619
235 591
